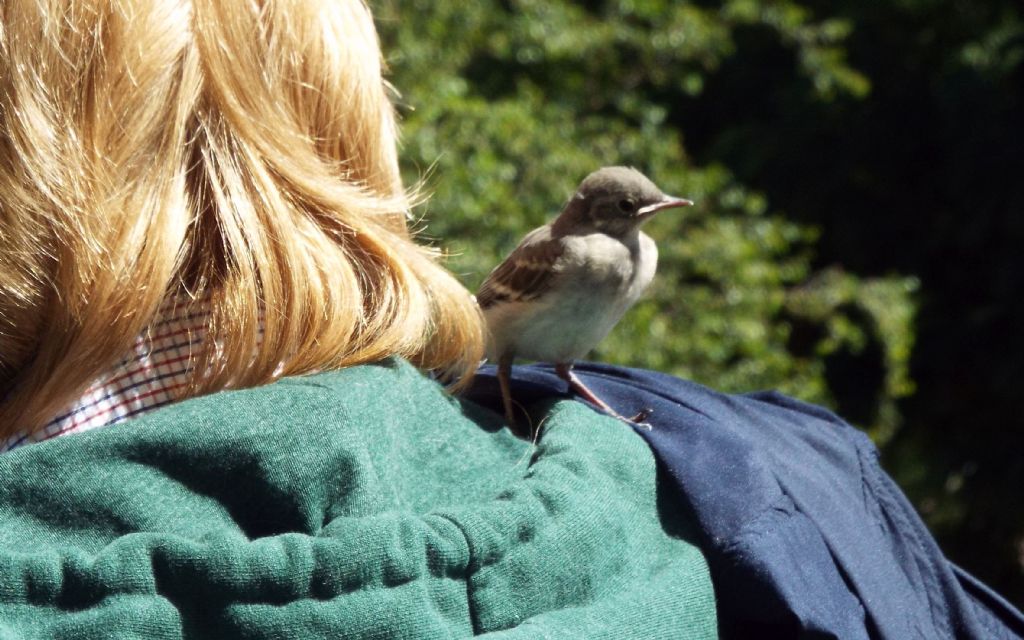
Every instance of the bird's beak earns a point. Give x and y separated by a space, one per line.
667 203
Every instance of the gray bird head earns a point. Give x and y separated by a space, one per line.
615 201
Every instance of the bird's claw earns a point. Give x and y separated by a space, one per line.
641 416
640 419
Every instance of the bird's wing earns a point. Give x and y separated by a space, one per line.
526 273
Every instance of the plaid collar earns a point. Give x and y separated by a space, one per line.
147 377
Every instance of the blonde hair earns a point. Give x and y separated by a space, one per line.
241 154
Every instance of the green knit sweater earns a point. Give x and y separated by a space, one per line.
364 503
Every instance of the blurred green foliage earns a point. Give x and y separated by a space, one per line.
804 263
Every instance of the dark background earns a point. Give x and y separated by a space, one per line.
859 176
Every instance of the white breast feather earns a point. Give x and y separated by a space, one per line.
600 280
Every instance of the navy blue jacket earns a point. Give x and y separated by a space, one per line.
805 534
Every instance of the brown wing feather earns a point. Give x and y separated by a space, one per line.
526 273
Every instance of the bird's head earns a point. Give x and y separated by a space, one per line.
616 201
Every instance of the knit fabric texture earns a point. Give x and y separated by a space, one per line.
364 503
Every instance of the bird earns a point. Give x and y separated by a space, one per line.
569 282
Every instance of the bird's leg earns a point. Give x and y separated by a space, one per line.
504 378
564 371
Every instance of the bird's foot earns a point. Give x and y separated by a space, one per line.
640 419
642 415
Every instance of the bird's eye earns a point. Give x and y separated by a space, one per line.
627 205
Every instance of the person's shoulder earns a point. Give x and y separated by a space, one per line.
342 389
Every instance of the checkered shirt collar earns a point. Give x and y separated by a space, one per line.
147 378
